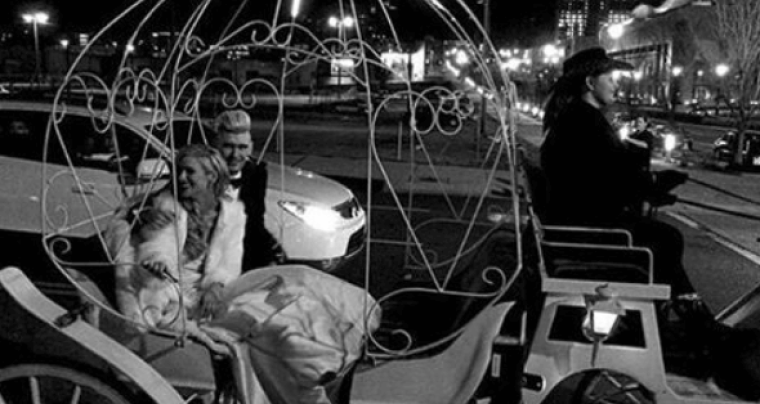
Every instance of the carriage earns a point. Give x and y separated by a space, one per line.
532 312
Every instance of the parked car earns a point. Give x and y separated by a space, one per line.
723 148
90 168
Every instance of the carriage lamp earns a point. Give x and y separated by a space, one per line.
603 313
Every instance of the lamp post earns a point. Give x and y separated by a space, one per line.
65 45
483 106
721 70
675 87
36 18
341 24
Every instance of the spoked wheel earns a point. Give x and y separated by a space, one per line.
37 383
608 387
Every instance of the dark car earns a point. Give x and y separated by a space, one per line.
724 146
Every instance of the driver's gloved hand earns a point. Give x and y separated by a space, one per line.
663 199
666 180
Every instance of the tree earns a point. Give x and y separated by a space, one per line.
739 30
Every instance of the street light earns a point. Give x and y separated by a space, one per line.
552 53
721 69
341 24
675 88
36 18
610 33
65 45
295 9
335 22
616 31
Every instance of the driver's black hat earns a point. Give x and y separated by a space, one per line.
592 61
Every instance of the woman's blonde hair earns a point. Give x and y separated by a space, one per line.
212 161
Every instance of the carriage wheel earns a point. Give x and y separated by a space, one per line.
37 383
608 387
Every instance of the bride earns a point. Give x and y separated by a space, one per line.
289 329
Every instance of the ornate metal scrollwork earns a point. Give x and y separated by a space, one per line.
189 81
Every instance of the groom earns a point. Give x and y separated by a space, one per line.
249 185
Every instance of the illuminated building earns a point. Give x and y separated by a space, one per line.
584 18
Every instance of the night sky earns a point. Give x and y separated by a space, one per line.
514 22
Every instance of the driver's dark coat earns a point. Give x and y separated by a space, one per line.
593 178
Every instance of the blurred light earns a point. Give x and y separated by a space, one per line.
345 63
616 31
677 70
721 69
462 58
333 22
36 18
669 142
469 82
550 50
637 75
624 132
64 43
511 64
295 8
452 68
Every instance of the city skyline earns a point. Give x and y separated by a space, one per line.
523 23
507 20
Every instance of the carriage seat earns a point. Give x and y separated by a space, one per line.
186 365
584 253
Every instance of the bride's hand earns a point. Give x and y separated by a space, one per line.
218 337
211 301
211 340
159 269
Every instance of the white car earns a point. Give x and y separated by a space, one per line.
316 220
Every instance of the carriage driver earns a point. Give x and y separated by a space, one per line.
248 184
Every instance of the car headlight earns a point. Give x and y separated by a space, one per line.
315 216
